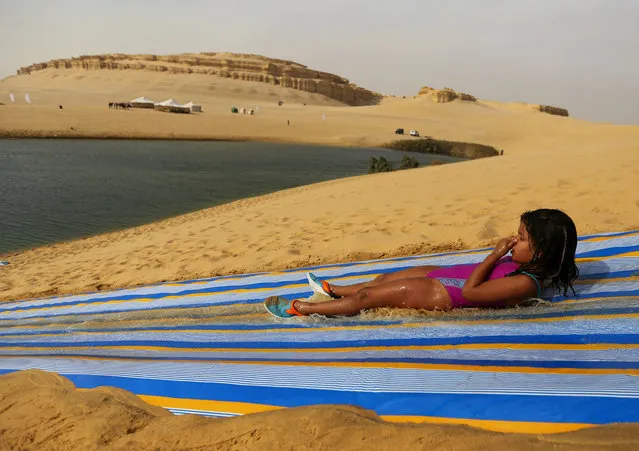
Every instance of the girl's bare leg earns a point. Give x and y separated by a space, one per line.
415 292
408 273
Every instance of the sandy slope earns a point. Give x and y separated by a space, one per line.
43 411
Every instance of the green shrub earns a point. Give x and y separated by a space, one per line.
441 147
380 164
408 162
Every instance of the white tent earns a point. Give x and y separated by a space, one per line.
172 106
195 108
142 102
169 102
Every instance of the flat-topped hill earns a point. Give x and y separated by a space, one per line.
319 87
448 95
235 66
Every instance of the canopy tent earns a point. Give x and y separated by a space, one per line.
195 108
171 106
142 102
169 102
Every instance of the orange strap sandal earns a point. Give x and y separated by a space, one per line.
281 307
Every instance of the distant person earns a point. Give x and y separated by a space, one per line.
288 122
502 152
542 254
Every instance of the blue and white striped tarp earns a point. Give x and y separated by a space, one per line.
208 347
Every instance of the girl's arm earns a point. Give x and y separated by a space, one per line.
515 288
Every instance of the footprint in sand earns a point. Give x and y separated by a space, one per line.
477 214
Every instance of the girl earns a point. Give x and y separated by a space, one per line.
542 253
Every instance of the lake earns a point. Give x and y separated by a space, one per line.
56 189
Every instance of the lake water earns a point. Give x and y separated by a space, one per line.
53 190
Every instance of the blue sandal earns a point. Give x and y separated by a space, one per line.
320 286
281 307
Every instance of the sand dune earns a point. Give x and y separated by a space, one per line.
43 411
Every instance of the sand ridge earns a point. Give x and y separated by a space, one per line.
44 411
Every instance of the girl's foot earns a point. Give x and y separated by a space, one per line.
320 286
281 307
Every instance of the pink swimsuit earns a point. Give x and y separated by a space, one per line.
454 277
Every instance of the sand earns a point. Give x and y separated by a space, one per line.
44 411
589 170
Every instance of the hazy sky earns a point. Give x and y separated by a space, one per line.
579 54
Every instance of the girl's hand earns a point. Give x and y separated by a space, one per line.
504 245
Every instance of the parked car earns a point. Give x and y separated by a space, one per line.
399 131
414 133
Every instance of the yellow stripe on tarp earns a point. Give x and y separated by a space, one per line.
124 301
607 257
585 301
608 237
398 365
245 408
606 280
241 408
365 327
126 321
471 346
517 427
